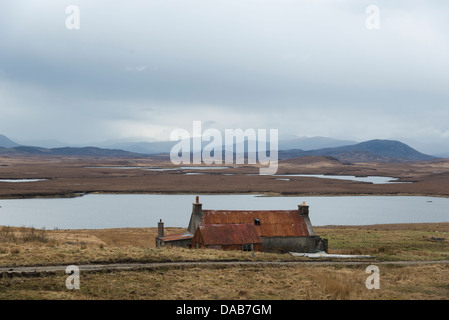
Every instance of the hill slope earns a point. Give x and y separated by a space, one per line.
391 149
5 142
373 150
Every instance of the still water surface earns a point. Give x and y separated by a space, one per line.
21 180
370 179
97 211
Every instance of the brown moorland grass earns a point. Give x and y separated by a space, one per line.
422 282
69 176
28 246
390 241
347 282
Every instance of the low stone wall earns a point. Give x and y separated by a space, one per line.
294 244
182 243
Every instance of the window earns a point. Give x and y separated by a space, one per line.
248 247
257 222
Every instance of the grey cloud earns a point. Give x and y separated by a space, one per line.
274 62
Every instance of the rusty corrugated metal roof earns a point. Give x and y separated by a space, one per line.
229 234
273 223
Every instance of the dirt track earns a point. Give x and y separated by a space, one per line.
155 265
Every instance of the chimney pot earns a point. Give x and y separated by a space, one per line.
303 209
160 229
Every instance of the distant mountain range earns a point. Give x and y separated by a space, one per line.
67 151
7 146
155 147
369 151
343 150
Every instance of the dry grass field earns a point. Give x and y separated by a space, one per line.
28 246
300 282
22 246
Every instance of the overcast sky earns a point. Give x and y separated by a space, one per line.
143 68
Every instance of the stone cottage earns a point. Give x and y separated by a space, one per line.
247 230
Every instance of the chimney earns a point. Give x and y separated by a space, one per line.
160 229
304 212
195 218
303 209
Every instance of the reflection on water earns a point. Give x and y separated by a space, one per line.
113 211
369 179
21 180
160 169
